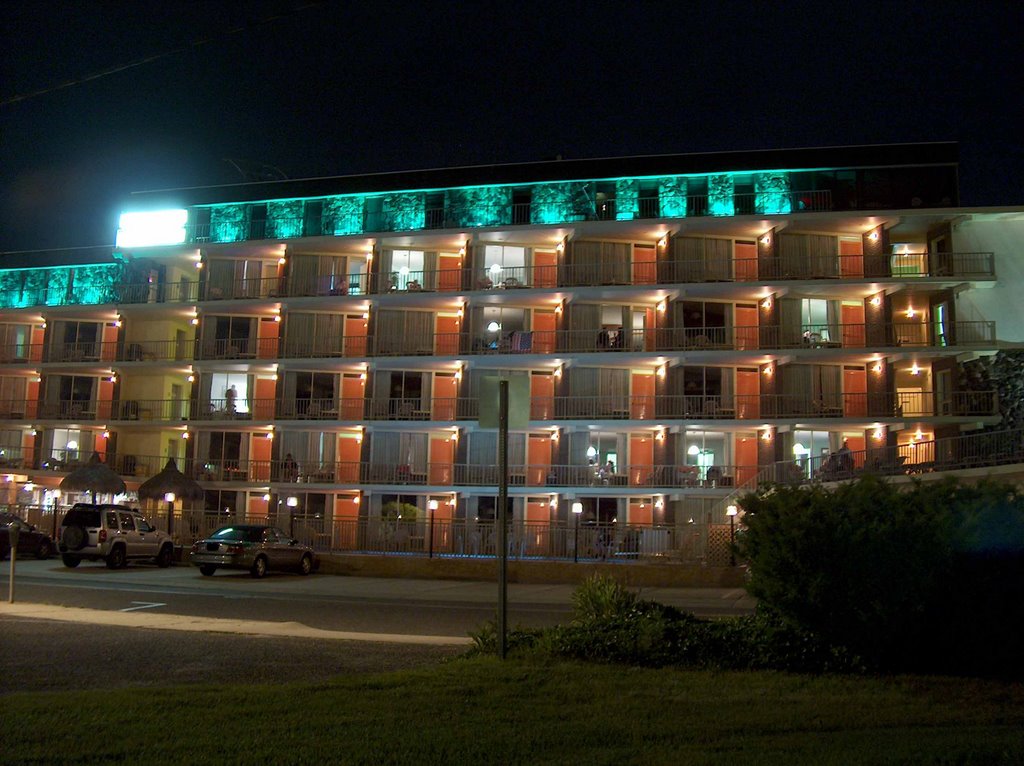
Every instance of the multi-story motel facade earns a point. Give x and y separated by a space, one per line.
687 327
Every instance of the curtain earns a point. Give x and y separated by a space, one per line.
792 250
389 330
303 275
583 381
579 441
718 259
413 450
828 386
728 389
833 318
299 334
419 332
823 252
220 277
328 336
429 277
483 448
790 320
517 449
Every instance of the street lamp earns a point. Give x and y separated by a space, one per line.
291 502
577 511
731 512
169 497
431 509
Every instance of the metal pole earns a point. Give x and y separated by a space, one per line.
14 557
732 541
430 532
502 517
576 539
170 519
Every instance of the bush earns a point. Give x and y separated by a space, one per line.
612 624
924 579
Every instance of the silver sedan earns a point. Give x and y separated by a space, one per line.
256 547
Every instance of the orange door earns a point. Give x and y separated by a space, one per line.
746 459
641 511
259 469
746 328
264 393
447 328
257 507
346 522
35 353
450 277
538 527
544 332
442 455
353 391
855 399
641 405
645 265
852 318
650 331
542 396
538 458
348 459
108 351
446 389
32 398
266 344
104 395
641 460
748 387
856 445
355 336
746 261
545 269
851 258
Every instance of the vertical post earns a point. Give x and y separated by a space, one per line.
14 558
502 517
731 512
431 510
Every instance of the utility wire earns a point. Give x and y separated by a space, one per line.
157 56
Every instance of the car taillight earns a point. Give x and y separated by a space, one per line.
235 549
103 535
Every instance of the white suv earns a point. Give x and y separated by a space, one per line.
116 534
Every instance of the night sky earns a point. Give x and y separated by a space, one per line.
318 89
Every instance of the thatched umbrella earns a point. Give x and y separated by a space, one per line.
95 476
170 480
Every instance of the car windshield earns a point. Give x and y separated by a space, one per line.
240 534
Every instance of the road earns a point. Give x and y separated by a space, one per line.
358 604
114 644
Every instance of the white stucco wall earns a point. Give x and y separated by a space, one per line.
1003 303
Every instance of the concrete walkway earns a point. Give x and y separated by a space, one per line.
191 624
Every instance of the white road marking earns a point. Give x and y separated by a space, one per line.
142 605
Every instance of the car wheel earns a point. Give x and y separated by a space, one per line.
44 550
75 538
306 565
259 567
116 558
70 561
207 570
164 557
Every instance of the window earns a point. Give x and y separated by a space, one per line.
127 522
229 392
505 265
69 444
406 267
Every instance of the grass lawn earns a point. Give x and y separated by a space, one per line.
483 711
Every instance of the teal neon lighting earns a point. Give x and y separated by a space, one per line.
284 218
228 223
491 205
403 212
772 193
479 206
627 199
721 189
343 215
672 197
60 285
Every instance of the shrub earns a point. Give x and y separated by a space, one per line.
920 579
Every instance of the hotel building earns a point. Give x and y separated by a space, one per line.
679 328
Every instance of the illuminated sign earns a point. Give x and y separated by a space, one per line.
152 228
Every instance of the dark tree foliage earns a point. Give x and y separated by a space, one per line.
927 578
